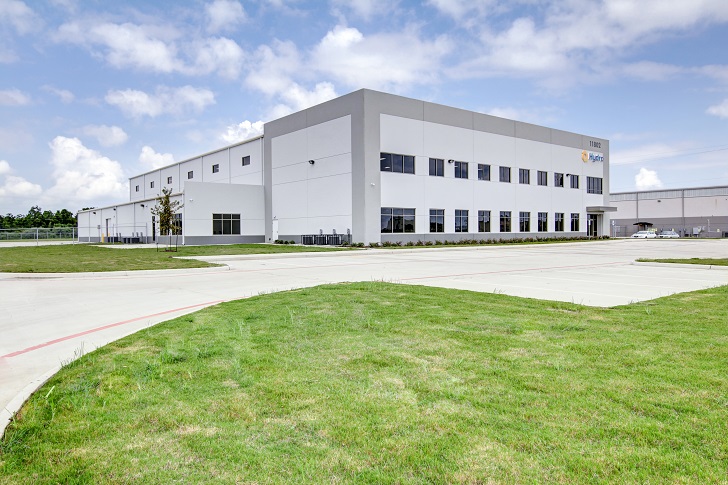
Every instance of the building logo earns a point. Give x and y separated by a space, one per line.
591 157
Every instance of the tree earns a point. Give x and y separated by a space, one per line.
165 209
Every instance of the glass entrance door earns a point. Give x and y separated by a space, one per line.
592 223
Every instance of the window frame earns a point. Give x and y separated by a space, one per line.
403 162
398 217
136 189
169 180
437 217
483 171
246 160
543 178
524 176
438 164
573 181
558 179
594 185
483 221
524 222
461 220
216 168
575 222
461 170
505 221
558 222
190 174
225 224
151 184
503 174
543 222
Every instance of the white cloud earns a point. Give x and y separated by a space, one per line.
297 98
651 71
647 179
719 110
82 174
64 95
19 15
165 100
107 136
18 187
151 159
13 97
273 67
373 61
224 15
366 8
242 131
4 167
650 152
220 55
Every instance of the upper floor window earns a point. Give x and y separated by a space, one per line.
542 178
136 189
396 219
461 170
437 220
483 171
524 176
505 174
246 160
437 167
558 179
169 180
393 162
574 181
593 185
216 168
151 184
190 174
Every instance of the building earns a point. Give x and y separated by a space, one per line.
377 167
691 212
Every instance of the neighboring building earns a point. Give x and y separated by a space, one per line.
692 212
381 168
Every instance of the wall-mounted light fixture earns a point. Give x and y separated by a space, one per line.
114 208
312 162
142 206
94 212
450 161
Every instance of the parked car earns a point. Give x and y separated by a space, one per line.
668 234
644 235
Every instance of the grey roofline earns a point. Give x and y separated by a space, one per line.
227 147
131 202
667 190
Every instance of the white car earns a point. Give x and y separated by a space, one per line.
644 235
668 234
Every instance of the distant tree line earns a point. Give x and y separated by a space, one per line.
36 217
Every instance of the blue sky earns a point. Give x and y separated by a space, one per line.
93 92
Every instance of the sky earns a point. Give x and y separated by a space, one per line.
93 92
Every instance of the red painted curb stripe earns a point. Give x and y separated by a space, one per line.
111 325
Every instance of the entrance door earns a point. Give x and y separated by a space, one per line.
107 230
275 230
592 223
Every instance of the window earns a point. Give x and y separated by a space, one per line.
461 170
393 162
190 174
151 184
593 185
542 178
246 160
136 189
225 224
574 222
483 171
169 180
483 221
505 174
461 220
505 221
543 222
574 181
216 168
524 176
558 179
559 221
176 223
395 219
437 220
524 221
437 167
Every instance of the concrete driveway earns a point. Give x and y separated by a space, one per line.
49 319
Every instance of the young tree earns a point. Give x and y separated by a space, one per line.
165 209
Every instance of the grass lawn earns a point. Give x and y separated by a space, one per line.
707 261
76 258
383 383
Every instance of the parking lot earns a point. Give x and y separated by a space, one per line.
49 318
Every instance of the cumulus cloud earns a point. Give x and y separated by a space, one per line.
64 95
13 97
165 100
242 131
153 160
296 98
4 167
107 136
154 48
223 15
20 16
273 67
18 187
647 179
719 110
371 61
82 174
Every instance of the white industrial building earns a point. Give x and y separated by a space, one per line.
691 212
377 167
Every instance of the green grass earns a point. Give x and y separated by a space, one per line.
381 383
75 258
706 261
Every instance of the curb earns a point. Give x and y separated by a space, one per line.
681 265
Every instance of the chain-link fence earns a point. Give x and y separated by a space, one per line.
39 234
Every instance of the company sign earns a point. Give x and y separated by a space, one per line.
587 156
